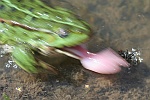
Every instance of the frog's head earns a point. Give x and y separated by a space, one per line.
75 32
60 30
62 37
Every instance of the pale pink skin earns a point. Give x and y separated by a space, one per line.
104 62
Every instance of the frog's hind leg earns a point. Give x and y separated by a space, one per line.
24 57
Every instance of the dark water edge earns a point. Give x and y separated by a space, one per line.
119 24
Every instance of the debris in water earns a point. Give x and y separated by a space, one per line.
86 86
132 57
19 89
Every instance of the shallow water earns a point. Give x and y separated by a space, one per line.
119 24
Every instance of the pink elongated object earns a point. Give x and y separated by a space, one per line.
104 62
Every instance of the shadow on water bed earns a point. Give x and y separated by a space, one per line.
118 24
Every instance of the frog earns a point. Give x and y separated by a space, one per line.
31 27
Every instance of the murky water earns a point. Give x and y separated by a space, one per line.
119 24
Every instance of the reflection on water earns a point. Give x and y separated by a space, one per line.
11 63
119 24
6 60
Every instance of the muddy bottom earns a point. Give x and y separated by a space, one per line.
118 24
77 84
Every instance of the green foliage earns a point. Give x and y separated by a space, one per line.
5 97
